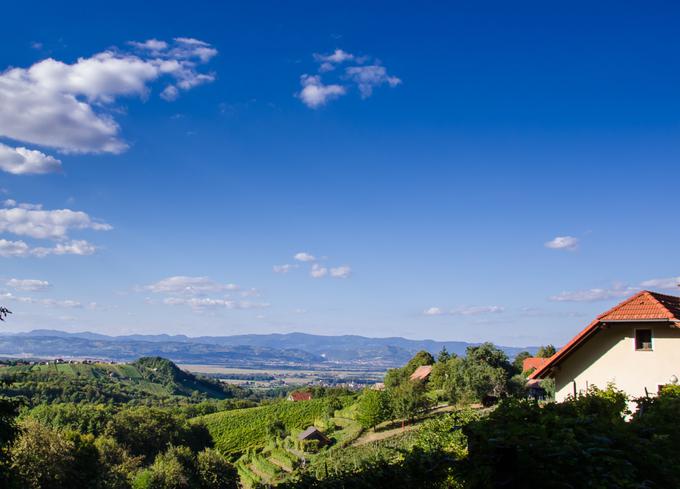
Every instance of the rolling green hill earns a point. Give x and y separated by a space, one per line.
152 378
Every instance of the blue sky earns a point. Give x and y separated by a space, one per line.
486 172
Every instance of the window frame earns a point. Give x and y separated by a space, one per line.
651 339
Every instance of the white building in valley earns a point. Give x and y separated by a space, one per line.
635 345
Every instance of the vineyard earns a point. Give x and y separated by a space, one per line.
236 431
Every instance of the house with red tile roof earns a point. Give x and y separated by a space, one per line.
422 373
533 363
300 396
635 345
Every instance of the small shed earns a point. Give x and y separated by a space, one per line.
313 433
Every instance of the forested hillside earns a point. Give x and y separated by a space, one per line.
149 379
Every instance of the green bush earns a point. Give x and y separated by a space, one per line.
584 441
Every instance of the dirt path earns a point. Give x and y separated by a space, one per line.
263 477
370 436
279 464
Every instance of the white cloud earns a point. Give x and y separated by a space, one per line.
29 285
369 77
206 302
14 248
69 107
315 94
66 303
74 247
596 294
23 161
44 224
477 310
304 257
433 311
318 271
284 268
341 272
189 286
569 243
13 203
464 311
336 57
668 283
22 249
153 45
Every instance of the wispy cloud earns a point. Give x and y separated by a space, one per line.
316 93
595 294
284 268
463 311
343 271
189 286
667 283
367 78
303 256
60 303
318 271
28 285
569 243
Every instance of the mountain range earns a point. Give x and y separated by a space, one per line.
248 350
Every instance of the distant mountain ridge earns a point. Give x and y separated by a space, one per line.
292 349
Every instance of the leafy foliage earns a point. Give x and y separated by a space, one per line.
583 440
374 408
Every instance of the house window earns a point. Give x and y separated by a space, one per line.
643 339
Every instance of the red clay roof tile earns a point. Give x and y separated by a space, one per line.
643 306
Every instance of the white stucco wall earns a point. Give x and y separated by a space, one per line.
610 356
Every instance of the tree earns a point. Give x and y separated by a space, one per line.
397 376
4 312
546 351
373 408
8 432
215 472
518 362
44 459
148 431
179 468
276 428
443 355
408 400
419 359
